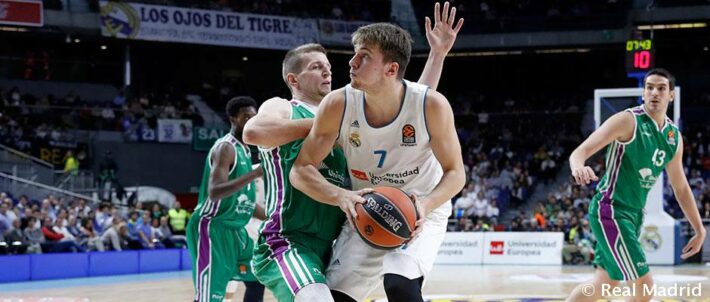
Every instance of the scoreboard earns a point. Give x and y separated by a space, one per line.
640 56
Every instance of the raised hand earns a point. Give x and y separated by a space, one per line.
443 35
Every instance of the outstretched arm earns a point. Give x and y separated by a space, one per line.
272 126
222 161
686 200
304 174
441 38
619 126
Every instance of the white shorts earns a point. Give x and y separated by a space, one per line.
356 268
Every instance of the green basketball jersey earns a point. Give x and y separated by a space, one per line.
236 209
292 213
632 168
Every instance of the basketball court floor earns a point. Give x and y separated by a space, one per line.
473 283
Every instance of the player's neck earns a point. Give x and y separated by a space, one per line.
658 116
308 99
237 133
388 93
383 105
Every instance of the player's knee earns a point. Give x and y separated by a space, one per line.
316 292
399 288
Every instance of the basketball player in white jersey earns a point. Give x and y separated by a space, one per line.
308 76
394 133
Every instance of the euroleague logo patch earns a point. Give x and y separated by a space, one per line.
409 135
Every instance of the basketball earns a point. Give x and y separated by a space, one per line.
387 218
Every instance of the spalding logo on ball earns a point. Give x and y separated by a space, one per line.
387 218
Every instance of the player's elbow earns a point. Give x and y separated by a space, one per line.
460 179
295 176
214 194
250 135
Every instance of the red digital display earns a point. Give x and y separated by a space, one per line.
639 56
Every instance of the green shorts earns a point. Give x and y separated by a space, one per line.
285 266
617 231
219 254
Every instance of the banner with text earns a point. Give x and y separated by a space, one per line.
523 248
203 138
461 248
174 131
199 26
336 32
21 12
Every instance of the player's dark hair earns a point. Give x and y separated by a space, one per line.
663 73
237 103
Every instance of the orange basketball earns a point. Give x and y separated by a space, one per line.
387 218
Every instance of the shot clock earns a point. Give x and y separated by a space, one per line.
639 56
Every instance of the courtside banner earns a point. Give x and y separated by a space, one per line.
174 131
176 24
461 248
336 32
21 12
523 248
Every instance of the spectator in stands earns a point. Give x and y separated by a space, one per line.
23 203
60 226
552 207
33 236
71 164
481 226
15 238
157 212
178 218
48 208
464 203
145 232
114 236
81 208
89 237
55 238
540 217
492 212
73 227
480 205
5 222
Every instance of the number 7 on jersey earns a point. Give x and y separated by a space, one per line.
383 155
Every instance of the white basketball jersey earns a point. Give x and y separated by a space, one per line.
397 154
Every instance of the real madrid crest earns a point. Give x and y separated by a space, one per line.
355 139
651 239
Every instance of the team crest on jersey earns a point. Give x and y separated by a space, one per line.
671 137
647 179
242 269
409 135
355 139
